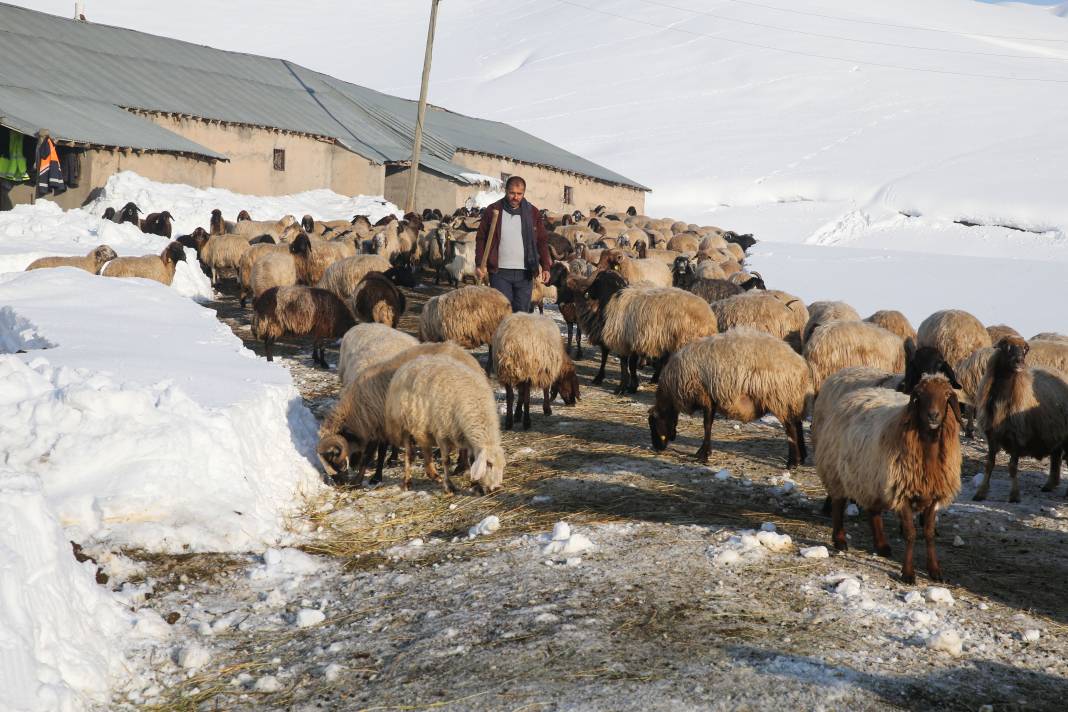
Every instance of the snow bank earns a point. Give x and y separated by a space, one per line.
191 207
59 632
148 422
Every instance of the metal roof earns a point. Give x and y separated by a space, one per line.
90 65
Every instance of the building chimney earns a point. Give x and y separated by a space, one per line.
79 10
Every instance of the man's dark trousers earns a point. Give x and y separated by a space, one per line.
515 285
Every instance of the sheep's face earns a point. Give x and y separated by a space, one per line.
662 427
567 386
308 223
378 244
301 245
932 402
334 454
927 360
175 252
1012 351
487 472
104 254
243 215
402 275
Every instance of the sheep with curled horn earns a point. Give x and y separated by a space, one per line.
889 450
92 262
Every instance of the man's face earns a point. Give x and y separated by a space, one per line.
515 194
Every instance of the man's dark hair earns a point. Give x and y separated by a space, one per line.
512 180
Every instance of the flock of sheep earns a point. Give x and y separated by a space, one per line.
887 401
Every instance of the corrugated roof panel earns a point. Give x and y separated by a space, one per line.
137 70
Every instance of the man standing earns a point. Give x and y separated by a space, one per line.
518 249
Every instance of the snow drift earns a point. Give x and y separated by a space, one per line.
148 422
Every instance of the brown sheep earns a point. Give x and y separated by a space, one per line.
97 258
377 299
468 315
1024 411
841 344
819 313
158 224
955 333
300 311
158 268
996 331
894 322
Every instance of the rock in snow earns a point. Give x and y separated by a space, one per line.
948 641
815 552
563 542
937 594
194 656
487 526
307 617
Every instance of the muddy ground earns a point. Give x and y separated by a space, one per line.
416 615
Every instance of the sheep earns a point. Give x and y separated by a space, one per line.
711 242
218 226
355 428
560 248
109 214
955 333
996 331
300 311
684 242
223 252
743 374
243 215
742 241
820 313
460 259
894 322
840 344
157 224
970 372
377 299
528 353
437 401
283 269
194 240
1048 354
129 214
92 262
1049 336
650 272
366 344
274 228
567 291
324 253
469 316
1023 410
763 311
668 257
889 450
249 260
160 268
653 322
394 238
343 277
433 251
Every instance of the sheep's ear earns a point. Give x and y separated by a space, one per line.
955 405
480 467
947 371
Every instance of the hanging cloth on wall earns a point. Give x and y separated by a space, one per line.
49 174
13 163
70 162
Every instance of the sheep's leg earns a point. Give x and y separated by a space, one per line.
878 534
446 483
1054 471
988 471
409 453
376 479
546 402
541 307
428 461
827 506
934 571
509 396
799 426
463 462
659 367
969 429
632 384
578 342
525 390
838 534
489 360
908 571
570 330
706 444
623 377
394 453
267 348
793 451
599 378
361 468
1014 462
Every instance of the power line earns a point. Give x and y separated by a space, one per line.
849 39
814 55
899 27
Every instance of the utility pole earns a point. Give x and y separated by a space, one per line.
417 143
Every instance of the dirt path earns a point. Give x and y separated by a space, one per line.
418 616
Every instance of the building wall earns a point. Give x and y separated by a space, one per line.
545 186
99 165
310 163
431 191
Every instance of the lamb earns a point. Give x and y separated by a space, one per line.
218 226
469 316
742 374
653 322
955 333
889 450
157 224
996 331
528 353
894 322
160 268
283 268
820 313
344 276
1023 410
300 311
92 263
840 344
355 428
377 299
436 401
366 344
763 311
